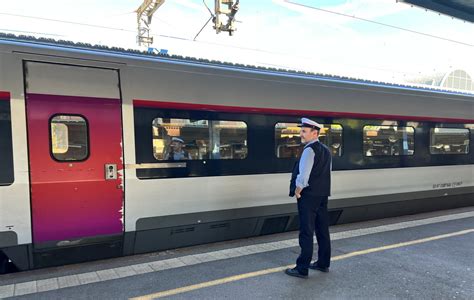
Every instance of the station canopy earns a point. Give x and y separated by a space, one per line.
461 9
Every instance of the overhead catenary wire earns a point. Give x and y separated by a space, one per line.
158 35
205 24
215 43
134 31
379 23
237 47
64 21
30 32
178 37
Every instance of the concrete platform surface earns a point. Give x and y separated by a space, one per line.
425 256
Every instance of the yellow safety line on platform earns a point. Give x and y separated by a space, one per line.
279 269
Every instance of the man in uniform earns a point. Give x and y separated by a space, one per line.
311 184
177 152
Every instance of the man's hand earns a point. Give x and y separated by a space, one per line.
298 192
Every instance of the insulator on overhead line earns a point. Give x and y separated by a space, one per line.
225 9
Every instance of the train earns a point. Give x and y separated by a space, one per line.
88 137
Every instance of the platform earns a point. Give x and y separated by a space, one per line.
422 256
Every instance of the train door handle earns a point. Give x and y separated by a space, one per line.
110 171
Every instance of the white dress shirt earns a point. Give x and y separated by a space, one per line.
305 166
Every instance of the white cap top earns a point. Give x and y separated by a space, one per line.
305 122
175 139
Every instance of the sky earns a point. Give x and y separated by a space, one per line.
381 40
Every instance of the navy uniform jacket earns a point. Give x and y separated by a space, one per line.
320 177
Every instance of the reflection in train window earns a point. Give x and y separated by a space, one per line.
449 141
288 141
184 139
389 140
69 141
228 140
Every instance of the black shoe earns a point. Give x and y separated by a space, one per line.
314 266
296 273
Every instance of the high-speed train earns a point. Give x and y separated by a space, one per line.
89 138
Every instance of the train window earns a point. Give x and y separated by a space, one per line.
69 138
184 139
288 142
228 140
388 140
180 139
449 141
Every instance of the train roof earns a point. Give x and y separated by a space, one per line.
133 53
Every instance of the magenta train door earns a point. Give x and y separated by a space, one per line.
75 152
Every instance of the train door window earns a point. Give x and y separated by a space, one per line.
6 151
181 139
228 140
69 138
449 141
388 140
288 141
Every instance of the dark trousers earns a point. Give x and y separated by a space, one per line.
313 214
